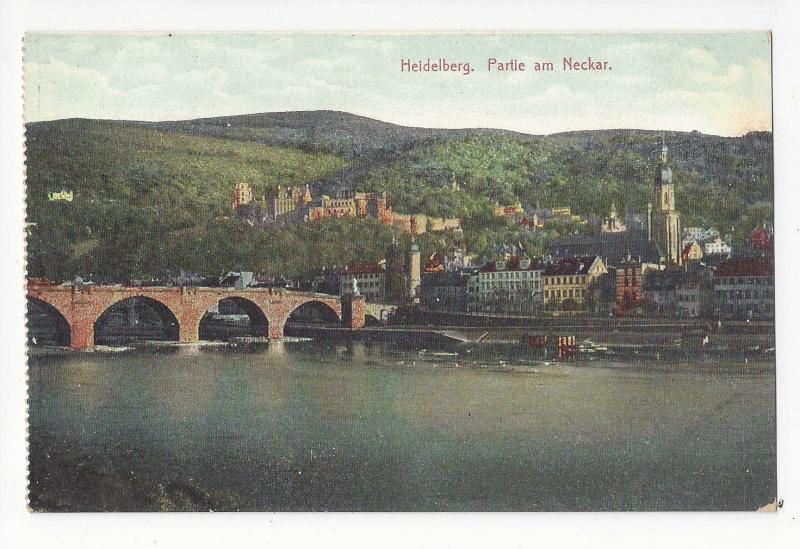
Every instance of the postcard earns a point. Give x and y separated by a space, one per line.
400 272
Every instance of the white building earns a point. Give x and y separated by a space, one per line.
716 246
507 286
370 280
744 289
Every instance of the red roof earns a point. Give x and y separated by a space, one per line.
365 268
751 266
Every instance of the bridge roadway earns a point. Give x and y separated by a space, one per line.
80 306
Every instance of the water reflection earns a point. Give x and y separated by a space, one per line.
318 425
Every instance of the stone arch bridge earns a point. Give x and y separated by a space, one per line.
81 306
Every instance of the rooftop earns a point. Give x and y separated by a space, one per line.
365 268
746 266
571 266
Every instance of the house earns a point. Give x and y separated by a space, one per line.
629 287
744 289
445 290
370 281
567 281
512 285
694 296
660 290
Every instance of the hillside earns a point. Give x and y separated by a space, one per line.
158 191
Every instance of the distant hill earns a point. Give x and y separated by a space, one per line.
165 180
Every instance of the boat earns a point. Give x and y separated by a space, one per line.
537 341
591 348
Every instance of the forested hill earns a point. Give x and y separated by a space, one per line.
157 193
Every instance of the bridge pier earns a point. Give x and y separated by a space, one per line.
81 336
354 311
276 329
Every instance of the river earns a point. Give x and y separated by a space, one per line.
315 425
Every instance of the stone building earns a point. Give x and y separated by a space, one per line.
566 282
613 248
665 221
288 200
242 195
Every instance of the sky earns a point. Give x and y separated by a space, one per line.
713 83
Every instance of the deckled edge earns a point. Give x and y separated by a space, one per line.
24 283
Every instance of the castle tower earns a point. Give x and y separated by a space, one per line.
242 194
665 220
414 271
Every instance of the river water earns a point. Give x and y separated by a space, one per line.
320 425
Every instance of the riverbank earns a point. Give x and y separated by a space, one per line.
644 338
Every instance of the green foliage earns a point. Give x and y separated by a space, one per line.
154 197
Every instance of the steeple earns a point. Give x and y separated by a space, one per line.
664 172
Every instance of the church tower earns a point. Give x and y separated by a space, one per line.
665 221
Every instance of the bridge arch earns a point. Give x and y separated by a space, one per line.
224 319
312 311
370 320
136 318
46 324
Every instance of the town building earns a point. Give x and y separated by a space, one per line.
694 296
601 297
60 196
511 210
716 247
691 256
744 289
445 290
512 286
540 218
709 240
612 223
629 287
660 290
612 248
761 239
370 281
665 222
567 281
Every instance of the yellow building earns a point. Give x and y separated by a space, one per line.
242 194
290 199
508 211
566 282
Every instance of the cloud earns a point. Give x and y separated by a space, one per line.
713 83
